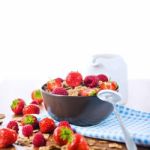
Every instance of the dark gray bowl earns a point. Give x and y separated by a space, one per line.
78 110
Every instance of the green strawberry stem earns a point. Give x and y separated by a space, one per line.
14 103
29 120
38 94
66 134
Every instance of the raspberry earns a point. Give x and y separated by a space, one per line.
102 77
64 123
34 102
27 130
91 81
60 91
74 79
13 125
39 140
59 80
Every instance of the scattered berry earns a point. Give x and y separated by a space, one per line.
102 77
91 81
39 140
64 123
78 143
31 109
62 135
17 106
7 137
34 102
47 125
74 79
27 130
29 119
36 95
13 125
60 91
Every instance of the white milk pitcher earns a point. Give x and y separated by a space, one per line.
114 67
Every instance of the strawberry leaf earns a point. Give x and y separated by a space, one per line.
14 103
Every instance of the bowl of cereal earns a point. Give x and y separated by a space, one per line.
74 99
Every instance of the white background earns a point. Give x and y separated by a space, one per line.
40 39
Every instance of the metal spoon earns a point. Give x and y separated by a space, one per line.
114 97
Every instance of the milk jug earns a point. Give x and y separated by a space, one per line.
114 67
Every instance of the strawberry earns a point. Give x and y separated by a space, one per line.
31 109
62 135
88 92
17 106
29 119
7 137
102 77
47 125
74 79
52 84
78 143
36 95
110 85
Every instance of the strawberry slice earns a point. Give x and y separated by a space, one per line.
110 85
52 84
88 92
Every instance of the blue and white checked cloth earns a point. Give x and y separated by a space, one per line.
137 123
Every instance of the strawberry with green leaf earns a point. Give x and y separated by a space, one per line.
17 106
62 135
29 119
36 95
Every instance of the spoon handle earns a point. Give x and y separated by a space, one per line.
128 139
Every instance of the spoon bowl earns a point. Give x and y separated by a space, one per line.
114 97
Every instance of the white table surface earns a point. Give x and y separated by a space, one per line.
138 92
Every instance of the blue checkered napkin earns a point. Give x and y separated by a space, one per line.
137 123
